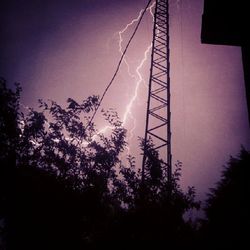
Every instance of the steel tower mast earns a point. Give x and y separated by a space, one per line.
158 115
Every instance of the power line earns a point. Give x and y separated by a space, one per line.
119 63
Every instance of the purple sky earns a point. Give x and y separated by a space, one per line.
61 49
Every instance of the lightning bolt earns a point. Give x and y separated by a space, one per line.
120 33
137 85
137 77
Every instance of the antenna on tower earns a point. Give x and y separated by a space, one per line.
158 116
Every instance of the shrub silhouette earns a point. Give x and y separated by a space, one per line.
227 207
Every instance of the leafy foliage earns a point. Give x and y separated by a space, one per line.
73 191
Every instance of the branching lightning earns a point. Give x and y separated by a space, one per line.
137 77
137 85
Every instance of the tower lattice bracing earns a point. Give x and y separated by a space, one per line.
158 107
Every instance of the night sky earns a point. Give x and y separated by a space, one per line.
61 49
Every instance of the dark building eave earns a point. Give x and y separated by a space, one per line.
226 22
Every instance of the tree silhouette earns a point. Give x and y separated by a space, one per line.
9 131
71 191
59 142
159 206
227 207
